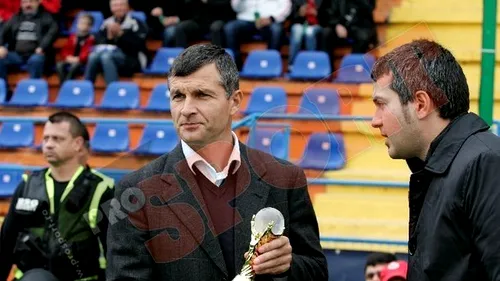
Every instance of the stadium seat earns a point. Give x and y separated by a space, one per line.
30 92
115 174
110 138
270 140
3 91
355 68
320 101
9 180
324 152
163 60
121 95
157 139
140 15
75 94
17 134
266 64
159 99
310 65
267 100
98 20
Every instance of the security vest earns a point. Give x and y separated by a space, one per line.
65 242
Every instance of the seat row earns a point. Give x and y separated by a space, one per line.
323 150
124 95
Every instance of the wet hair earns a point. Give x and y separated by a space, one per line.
374 259
199 55
424 65
76 127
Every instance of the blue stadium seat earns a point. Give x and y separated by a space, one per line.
355 68
30 92
140 15
121 95
310 65
159 99
270 140
114 174
319 101
163 60
3 91
110 138
324 152
267 100
157 139
98 20
262 64
17 134
9 180
75 94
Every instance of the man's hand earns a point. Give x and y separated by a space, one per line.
274 257
262 22
156 12
72 59
341 31
113 29
3 52
39 51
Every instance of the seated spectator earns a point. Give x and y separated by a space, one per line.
394 271
258 16
120 45
375 263
8 8
169 14
76 51
205 16
308 18
27 38
351 20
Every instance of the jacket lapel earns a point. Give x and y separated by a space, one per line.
250 198
191 195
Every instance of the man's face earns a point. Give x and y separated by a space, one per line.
372 272
59 145
395 121
29 6
201 111
84 25
119 8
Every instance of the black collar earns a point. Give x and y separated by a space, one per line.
446 145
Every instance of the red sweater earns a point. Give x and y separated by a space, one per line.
69 48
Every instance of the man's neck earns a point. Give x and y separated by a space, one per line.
431 134
218 153
65 171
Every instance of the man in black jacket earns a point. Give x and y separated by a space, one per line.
120 45
26 39
422 103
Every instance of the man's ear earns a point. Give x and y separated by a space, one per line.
78 143
424 105
236 99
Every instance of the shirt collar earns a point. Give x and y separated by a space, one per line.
192 157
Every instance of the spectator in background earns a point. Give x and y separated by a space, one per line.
205 16
26 39
10 7
351 20
308 18
394 271
375 263
169 14
76 51
121 45
258 16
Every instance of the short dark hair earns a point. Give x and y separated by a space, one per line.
379 258
199 55
426 65
76 127
89 17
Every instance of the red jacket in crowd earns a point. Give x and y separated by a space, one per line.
69 48
10 7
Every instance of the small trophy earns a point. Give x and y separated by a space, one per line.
267 225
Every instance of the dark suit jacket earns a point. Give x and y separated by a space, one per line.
171 238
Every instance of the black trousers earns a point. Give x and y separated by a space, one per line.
67 71
189 30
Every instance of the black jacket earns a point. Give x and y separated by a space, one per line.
455 206
324 8
47 30
353 13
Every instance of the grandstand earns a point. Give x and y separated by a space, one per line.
360 195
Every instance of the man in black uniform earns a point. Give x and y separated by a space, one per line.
52 227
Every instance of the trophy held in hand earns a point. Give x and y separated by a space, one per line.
267 225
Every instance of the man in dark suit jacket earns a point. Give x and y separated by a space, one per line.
190 220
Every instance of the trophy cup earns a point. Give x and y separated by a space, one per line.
267 225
